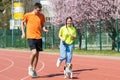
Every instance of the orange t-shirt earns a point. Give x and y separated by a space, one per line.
34 24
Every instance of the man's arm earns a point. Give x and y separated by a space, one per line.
44 29
22 29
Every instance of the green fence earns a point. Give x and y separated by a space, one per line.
101 35
11 38
97 35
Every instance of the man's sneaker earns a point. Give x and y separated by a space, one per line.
30 71
58 63
34 74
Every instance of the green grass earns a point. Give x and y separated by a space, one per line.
80 52
98 52
89 52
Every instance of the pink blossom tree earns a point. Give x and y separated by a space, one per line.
82 10
87 10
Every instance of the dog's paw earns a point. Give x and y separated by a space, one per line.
65 77
71 76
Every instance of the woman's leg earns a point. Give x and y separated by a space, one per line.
69 51
62 54
62 51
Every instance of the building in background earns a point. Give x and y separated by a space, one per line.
47 10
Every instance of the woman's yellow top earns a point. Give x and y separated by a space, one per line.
66 32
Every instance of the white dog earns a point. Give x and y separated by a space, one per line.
68 71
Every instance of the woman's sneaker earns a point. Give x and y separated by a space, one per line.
58 63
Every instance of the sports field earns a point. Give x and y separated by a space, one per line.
14 66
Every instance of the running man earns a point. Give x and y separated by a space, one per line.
34 25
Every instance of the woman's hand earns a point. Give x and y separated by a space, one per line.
62 39
72 37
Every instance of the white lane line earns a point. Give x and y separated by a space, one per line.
8 67
43 65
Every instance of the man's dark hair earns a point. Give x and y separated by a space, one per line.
37 5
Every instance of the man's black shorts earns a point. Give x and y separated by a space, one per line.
35 44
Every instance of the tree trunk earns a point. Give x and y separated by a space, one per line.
80 41
113 37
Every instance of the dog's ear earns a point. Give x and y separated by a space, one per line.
64 67
71 66
67 65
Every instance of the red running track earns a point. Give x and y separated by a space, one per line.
14 66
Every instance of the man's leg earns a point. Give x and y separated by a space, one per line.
35 60
32 57
33 63
38 48
31 66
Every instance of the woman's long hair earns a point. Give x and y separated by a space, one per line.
71 19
